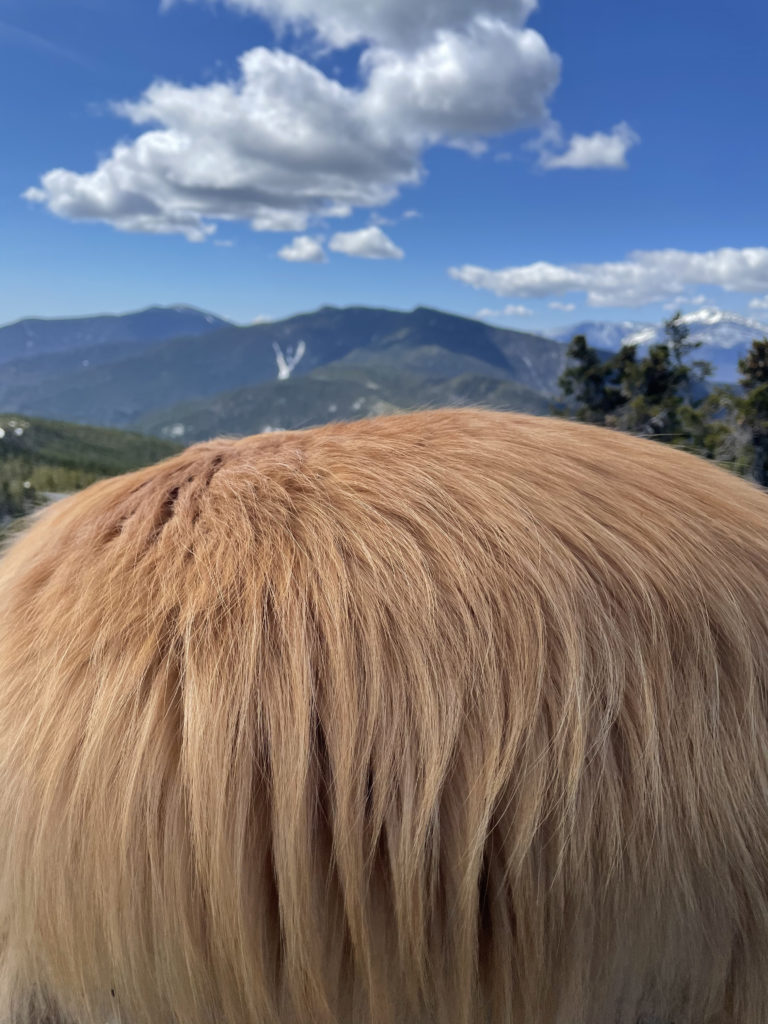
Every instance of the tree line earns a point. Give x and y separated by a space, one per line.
664 395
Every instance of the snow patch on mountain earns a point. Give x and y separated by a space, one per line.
288 361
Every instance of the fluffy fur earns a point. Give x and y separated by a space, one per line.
440 718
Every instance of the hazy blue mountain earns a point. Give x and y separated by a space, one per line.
35 336
725 337
86 385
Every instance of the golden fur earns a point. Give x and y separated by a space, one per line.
439 718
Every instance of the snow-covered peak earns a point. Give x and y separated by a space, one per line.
725 337
710 325
605 334
711 316
707 315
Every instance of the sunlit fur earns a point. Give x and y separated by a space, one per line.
440 718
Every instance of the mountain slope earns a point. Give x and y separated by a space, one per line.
338 391
161 375
96 451
39 456
35 336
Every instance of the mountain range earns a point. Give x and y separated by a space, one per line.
725 337
35 336
299 368
185 374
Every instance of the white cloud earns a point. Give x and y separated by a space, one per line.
599 151
566 307
277 146
277 219
491 79
224 243
303 249
759 303
405 24
685 300
491 314
283 144
643 277
411 214
368 243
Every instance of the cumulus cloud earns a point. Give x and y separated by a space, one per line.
490 314
404 24
643 277
599 151
368 243
566 307
490 79
282 143
303 249
759 303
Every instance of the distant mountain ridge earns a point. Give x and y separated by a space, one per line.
37 335
333 363
118 384
725 337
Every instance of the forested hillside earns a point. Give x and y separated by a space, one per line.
40 457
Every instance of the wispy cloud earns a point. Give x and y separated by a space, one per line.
492 314
16 36
685 300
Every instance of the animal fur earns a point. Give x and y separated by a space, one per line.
440 718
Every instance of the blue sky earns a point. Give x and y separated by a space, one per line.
579 159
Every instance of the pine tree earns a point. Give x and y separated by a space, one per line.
661 389
754 406
658 395
590 382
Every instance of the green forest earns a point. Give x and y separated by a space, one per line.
40 457
665 395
